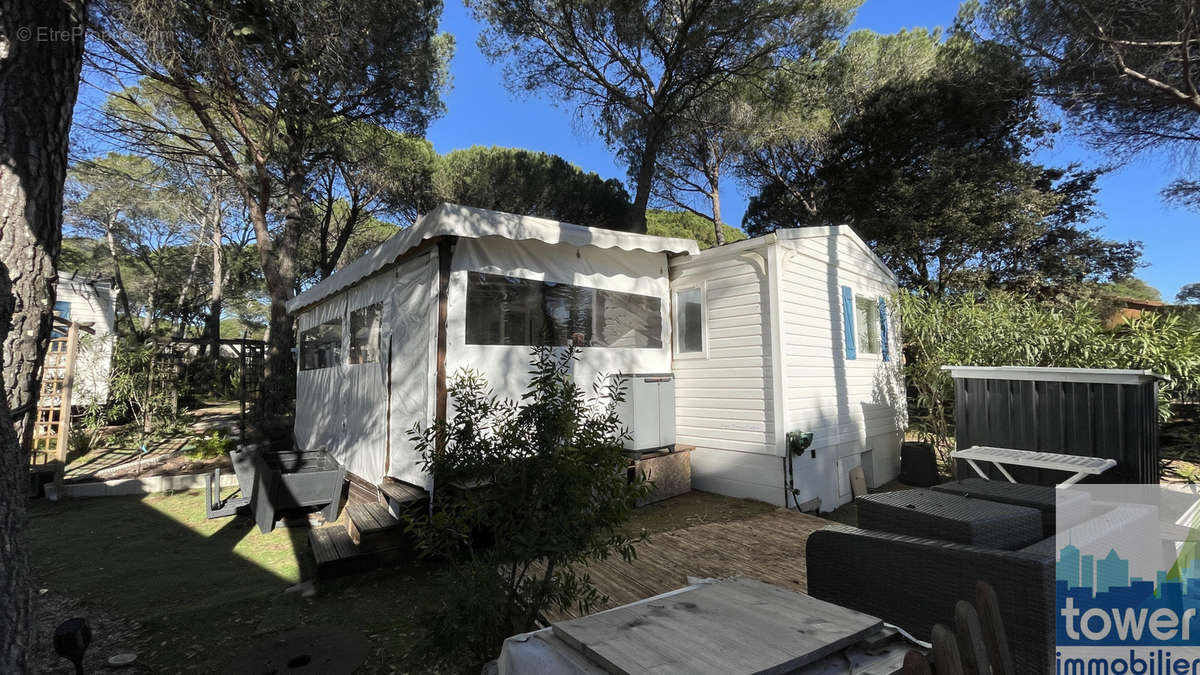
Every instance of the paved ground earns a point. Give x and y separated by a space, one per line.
161 455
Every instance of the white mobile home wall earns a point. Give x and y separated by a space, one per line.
506 368
91 302
345 408
737 399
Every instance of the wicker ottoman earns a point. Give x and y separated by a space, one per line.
940 515
1068 506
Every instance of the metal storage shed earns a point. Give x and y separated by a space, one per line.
1076 411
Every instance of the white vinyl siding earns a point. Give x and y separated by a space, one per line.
722 396
724 401
91 303
852 406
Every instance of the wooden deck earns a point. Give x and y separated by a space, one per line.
769 547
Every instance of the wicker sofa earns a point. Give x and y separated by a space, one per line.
915 582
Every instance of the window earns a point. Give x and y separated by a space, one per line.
689 321
867 320
365 324
504 310
321 346
62 309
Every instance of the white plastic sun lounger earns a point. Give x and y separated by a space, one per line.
1079 465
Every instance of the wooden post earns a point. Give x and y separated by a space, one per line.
68 381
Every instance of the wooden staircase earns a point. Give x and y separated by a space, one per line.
371 535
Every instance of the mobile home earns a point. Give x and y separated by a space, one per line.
90 302
789 332
471 288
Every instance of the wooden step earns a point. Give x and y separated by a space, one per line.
402 493
332 545
368 520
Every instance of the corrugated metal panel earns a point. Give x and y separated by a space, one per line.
1093 419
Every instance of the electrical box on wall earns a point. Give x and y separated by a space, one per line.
648 410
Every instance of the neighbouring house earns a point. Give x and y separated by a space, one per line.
787 332
1130 308
92 303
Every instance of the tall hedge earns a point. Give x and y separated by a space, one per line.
1002 329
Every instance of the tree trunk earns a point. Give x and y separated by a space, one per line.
281 281
118 281
217 293
715 197
148 320
183 291
40 58
645 179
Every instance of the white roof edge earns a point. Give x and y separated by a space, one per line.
718 252
475 223
788 233
1096 375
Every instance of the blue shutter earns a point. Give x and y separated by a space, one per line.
883 330
848 321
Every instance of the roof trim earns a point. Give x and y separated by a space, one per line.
1091 375
474 223
791 233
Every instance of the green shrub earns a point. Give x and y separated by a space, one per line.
216 444
525 492
1002 329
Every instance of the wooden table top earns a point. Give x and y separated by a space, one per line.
736 626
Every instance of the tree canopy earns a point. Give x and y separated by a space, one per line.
1189 294
1132 287
1124 72
640 70
687 225
273 88
931 167
529 182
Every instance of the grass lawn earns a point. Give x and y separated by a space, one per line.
202 590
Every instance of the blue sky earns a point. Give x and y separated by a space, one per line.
480 111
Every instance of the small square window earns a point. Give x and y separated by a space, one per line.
689 324
867 325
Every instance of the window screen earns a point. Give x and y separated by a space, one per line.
505 310
364 333
321 346
690 308
868 325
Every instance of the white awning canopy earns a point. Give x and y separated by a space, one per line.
464 221
1096 375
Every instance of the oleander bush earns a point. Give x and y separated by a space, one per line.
525 492
1002 329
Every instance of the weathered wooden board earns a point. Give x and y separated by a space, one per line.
858 482
738 626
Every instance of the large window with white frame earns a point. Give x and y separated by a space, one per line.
689 321
866 325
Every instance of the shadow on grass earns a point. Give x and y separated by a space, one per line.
204 590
